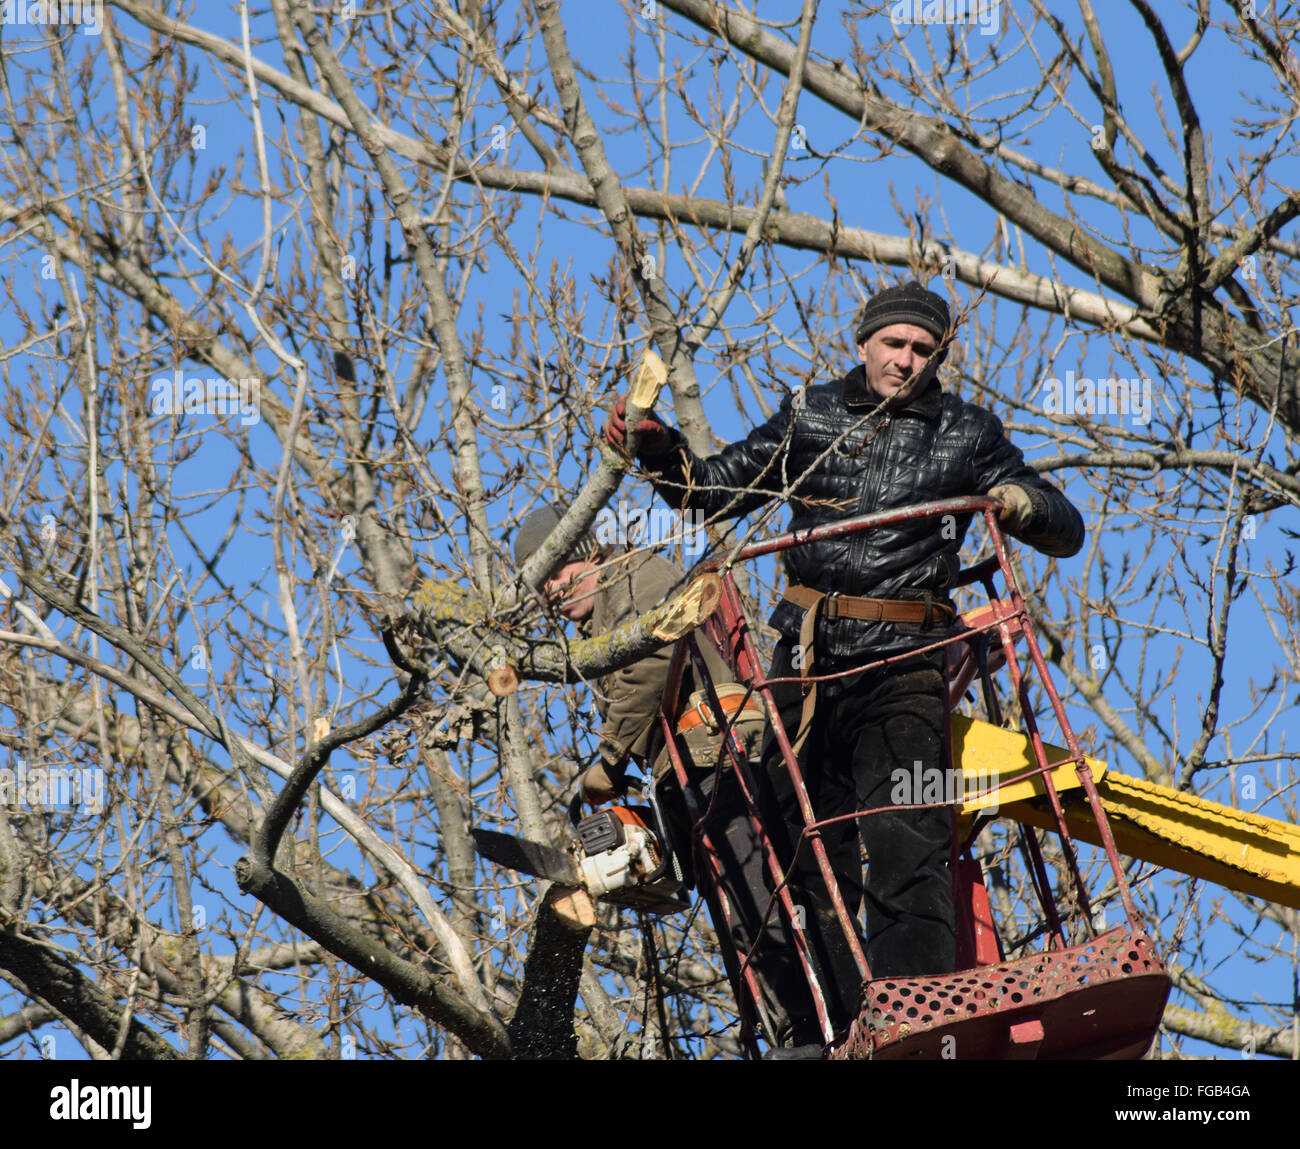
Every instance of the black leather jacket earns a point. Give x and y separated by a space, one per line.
840 456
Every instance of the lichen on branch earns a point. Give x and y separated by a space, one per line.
464 623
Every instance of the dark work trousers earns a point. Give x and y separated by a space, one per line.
869 731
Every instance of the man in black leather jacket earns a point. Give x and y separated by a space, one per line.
885 435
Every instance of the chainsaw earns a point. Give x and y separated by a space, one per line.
619 856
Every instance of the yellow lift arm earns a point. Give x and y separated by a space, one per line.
1233 848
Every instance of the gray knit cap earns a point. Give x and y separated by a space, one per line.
536 528
910 303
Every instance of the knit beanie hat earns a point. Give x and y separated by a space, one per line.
537 526
910 303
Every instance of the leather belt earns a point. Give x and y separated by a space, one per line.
734 702
869 609
815 602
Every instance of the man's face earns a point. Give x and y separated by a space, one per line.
895 359
572 589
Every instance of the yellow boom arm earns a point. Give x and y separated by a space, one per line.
1233 848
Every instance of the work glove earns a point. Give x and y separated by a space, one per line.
1017 510
604 780
596 785
653 434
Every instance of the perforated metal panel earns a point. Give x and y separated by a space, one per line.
1103 999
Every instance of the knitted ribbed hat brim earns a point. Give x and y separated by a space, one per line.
908 303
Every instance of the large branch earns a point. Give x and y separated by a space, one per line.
620 216
930 140
1217 1025
1222 342
53 979
440 320
162 961
256 874
464 623
384 853
410 985
114 920
26 1020
1184 321
542 1026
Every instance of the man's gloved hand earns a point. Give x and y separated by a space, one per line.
653 435
596 785
1016 510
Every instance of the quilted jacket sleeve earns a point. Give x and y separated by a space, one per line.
1055 527
734 482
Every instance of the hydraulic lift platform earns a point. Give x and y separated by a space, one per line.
1087 993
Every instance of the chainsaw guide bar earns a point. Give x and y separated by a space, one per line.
620 860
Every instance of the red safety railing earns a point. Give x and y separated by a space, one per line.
1005 620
